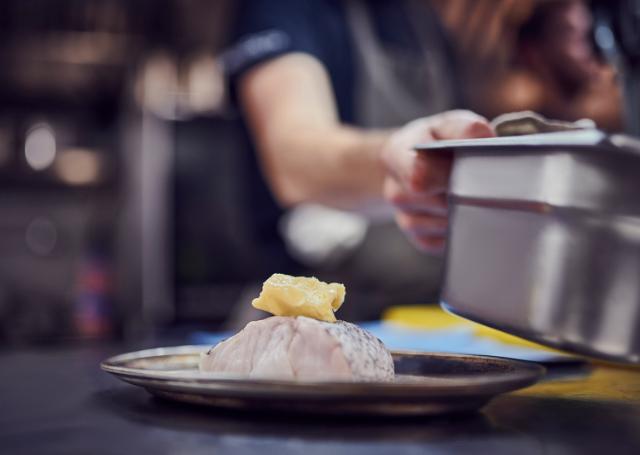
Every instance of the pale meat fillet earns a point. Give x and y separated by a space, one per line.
301 348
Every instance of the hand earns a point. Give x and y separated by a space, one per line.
416 183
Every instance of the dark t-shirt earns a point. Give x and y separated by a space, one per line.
269 28
266 29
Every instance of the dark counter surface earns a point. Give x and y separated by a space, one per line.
58 401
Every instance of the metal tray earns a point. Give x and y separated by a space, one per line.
425 384
544 239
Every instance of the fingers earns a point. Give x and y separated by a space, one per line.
430 173
420 172
422 225
417 182
427 233
419 203
461 125
422 218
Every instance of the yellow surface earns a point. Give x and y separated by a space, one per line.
426 317
604 382
601 381
506 338
284 295
432 317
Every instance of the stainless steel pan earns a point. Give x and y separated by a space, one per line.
544 239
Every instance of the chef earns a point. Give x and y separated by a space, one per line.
336 93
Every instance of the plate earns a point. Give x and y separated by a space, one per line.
425 384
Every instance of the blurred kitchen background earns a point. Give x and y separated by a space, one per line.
123 202
109 211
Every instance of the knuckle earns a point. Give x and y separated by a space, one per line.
408 223
477 128
398 199
394 195
418 182
420 176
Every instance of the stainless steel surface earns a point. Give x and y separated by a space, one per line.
544 239
425 384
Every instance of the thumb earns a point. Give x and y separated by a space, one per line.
461 125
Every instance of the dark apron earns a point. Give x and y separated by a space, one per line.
392 88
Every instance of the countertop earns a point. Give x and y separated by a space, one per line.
58 401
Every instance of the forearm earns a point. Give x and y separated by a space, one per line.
306 153
337 166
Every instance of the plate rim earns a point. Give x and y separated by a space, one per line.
527 373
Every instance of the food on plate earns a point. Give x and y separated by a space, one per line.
284 295
294 346
528 122
301 348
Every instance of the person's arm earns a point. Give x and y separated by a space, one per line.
307 155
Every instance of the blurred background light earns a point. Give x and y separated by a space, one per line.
605 39
157 87
78 166
40 147
41 236
204 85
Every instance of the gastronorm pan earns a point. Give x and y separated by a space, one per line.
544 238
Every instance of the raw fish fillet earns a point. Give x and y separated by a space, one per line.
301 348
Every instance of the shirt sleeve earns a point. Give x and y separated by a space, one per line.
266 29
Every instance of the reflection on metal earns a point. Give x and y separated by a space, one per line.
544 239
